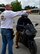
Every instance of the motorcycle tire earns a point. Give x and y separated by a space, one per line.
33 47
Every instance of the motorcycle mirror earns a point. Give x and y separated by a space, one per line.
36 24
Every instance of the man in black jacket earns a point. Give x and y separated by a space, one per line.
23 20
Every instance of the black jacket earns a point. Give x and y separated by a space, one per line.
22 21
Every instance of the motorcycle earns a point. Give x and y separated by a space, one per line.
27 37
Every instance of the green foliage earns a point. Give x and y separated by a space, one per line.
2 5
16 6
29 7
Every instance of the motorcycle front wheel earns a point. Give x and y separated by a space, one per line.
33 47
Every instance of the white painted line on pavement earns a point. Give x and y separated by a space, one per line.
37 38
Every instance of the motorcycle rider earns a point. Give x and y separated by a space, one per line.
23 20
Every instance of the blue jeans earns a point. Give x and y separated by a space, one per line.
7 38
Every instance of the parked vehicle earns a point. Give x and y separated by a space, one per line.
27 35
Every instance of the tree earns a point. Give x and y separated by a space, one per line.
29 7
16 6
2 5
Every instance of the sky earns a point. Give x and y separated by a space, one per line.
23 2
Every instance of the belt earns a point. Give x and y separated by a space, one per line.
7 28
